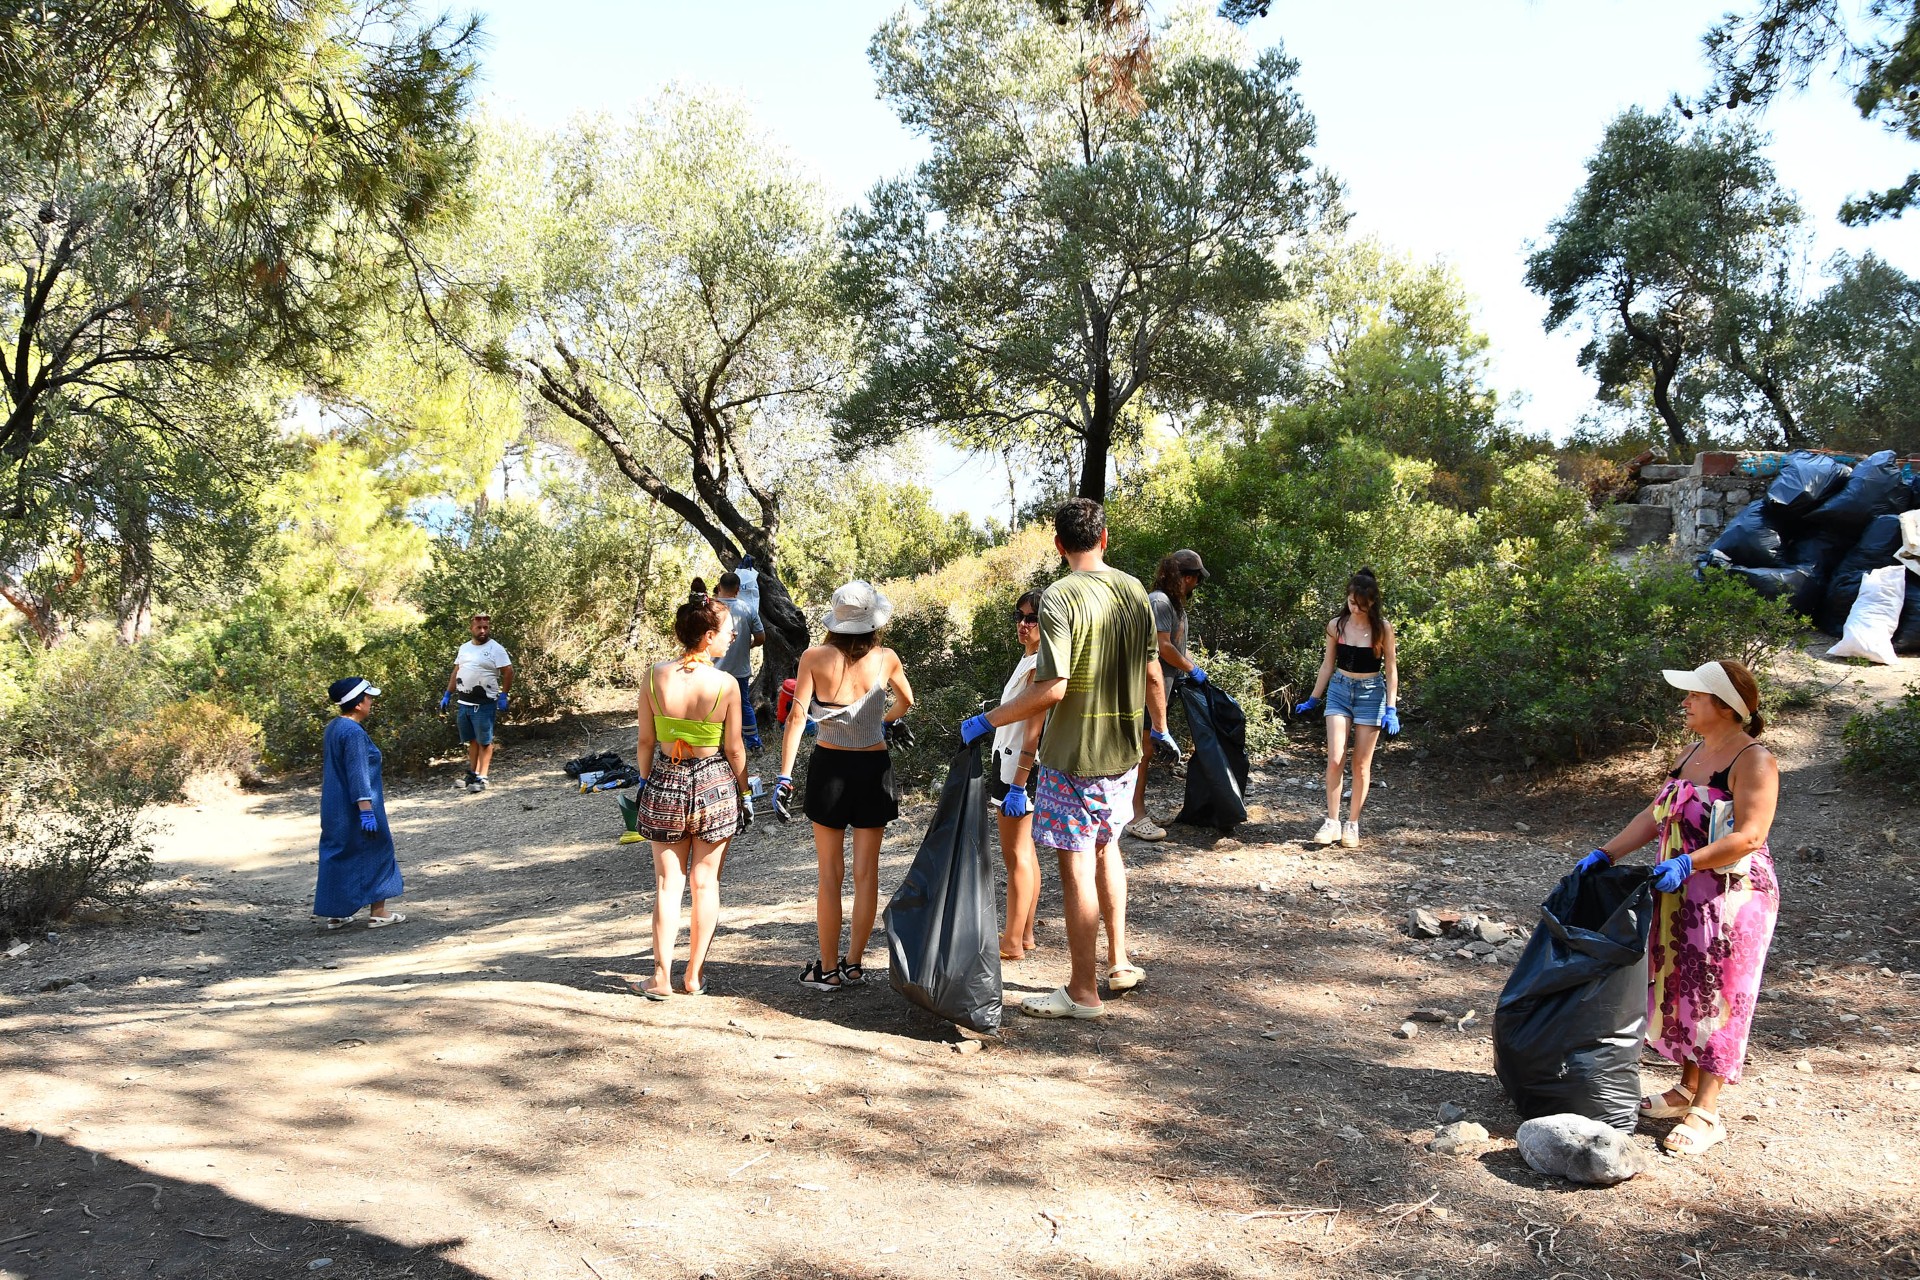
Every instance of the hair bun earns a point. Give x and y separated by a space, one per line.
1365 571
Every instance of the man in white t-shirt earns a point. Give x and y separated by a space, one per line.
482 675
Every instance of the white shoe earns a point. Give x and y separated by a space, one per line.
1329 832
1144 828
1350 835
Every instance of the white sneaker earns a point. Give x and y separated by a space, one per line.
1329 832
1145 828
1350 835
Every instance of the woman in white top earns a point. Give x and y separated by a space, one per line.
1012 787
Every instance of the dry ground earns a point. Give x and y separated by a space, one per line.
225 1092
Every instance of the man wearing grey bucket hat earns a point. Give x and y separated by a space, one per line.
843 684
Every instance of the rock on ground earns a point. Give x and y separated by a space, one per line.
1581 1150
1453 1138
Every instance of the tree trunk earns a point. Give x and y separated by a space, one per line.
1093 462
37 609
1664 370
787 632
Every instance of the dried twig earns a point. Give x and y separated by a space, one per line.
153 1186
749 1164
1397 1219
589 1261
1283 1213
263 1244
205 1235
22 1236
90 1213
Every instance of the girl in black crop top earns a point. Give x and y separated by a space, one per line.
1360 679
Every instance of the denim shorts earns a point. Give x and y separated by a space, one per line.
1361 699
476 722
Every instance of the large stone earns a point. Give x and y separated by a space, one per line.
1581 1150
1422 923
1708 518
1453 1138
1492 931
1738 498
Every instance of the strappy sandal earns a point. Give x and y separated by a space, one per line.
821 978
851 974
1686 1140
1656 1107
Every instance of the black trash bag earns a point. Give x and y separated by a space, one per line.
1806 481
1217 769
943 925
1571 1019
1874 489
1906 636
1753 540
1874 550
1811 561
1793 581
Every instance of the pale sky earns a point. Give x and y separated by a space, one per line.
1460 129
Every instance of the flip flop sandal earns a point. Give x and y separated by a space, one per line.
381 922
1685 1140
653 995
693 991
1656 1107
1058 1004
1125 977
337 922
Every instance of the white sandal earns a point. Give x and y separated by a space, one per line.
1656 1107
381 922
1685 1140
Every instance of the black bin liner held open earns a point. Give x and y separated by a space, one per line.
1217 769
1569 1026
943 927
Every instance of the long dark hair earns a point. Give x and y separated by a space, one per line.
1365 585
1169 579
855 647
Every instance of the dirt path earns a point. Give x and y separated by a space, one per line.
225 1092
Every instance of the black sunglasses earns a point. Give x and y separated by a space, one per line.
1021 615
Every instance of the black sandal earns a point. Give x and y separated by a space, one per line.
851 974
820 978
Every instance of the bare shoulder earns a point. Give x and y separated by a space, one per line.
1758 763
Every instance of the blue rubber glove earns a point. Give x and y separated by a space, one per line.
1303 708
974 728
1016 804
783 798
638 787
1161 738
445 698
1198 675
503 700
1595 861
369 823
1668 875
1390 721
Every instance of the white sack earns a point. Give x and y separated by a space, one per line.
1875 614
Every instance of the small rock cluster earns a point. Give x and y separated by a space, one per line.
1472 937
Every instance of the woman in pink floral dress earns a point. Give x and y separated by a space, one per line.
1715 901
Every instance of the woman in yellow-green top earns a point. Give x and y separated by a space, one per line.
693 780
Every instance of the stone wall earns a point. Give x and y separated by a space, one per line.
1700 506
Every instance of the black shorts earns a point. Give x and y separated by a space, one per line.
851 788
997 790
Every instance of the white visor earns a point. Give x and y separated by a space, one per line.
1710 677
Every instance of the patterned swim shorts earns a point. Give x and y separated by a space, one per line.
683 798
1079 814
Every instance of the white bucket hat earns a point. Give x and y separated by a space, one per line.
1710 677
858 608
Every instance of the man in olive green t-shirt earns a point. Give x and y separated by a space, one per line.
1098 678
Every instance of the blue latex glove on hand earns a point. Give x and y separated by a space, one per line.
1161 738
1016 804
1390 721
1668 875
1198 675
1595 861
503 701
974 728
1303 708
445 698
783 798
369 823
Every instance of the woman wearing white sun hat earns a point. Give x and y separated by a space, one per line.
357 865
1715 897
843 684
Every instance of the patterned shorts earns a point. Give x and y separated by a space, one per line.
1079 814
690 798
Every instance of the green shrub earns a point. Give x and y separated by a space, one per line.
1885 743
61 844
1240 679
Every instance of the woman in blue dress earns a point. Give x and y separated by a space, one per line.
357 866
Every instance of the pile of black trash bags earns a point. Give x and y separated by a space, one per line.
1821 527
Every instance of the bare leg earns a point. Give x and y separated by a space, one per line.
1023 885
483 757
866 889
829 847
669 883
473 757
703 873
1365 737
1111 881
378 909
1081 906
1336 761
1140 774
